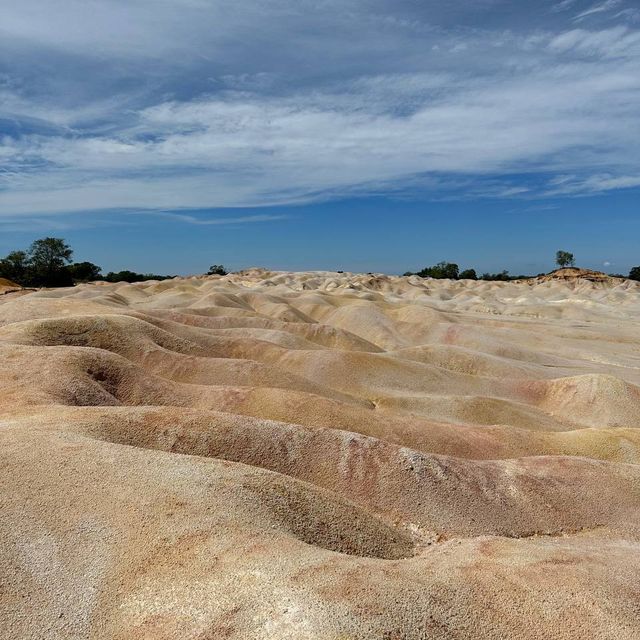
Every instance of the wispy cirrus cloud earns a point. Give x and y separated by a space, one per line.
619 41
210 105
216 221
565 5
602 7
572 184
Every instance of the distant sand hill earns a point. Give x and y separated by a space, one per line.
572 274
7 286
321 456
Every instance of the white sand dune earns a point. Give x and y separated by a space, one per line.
321 456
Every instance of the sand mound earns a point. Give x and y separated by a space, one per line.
596 400
321 455
571 274
6 286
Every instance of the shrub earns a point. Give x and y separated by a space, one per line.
503 276
217 270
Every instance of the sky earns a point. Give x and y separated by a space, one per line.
362 135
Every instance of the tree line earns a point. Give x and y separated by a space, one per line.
451 271
48 263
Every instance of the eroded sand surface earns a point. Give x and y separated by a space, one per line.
321 456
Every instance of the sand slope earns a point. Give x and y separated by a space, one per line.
325 456
7 286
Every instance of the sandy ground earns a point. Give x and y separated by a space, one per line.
321 456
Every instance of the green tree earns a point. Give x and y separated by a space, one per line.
48 258
155 276
85 271
634 274
131 276
564 259
503 276
124 276
217 270
14 267
441 270
468 274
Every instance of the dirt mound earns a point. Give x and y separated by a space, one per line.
7 286
571 274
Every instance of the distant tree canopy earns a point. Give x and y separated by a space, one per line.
565 259
217 270
441 270
132 276
451 271
468 274
47 259
503 276
47 264
44 264
85 271
634 274
14 267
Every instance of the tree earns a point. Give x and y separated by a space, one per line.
634 274
132 276
48 258
441 270
14 267
217 270
469 274
124 276
85 271
565 259
503 276
155 276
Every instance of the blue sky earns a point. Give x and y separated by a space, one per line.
356 134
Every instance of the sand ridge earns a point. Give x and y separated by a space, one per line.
321 455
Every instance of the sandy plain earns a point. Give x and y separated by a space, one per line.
321 456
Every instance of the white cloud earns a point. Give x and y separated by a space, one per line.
617 41
214 105
608 5
565 5
581 185
632 15
183 217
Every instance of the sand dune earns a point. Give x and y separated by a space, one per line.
272 455
6 286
